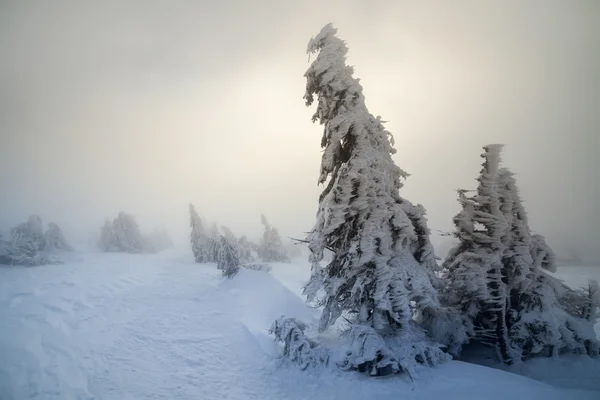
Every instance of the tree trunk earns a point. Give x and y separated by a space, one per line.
502 337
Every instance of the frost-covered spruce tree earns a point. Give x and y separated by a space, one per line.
271 248
475 269
229 259
198 238
538 317
54 239
383 261
496 275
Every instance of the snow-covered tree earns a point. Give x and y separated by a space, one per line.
54 239
26 245
383 261
247 249
32 231
496 274
271 248
229 260
198 238
474 268
122 235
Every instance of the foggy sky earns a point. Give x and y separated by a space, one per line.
146 106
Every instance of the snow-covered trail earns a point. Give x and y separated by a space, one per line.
118 326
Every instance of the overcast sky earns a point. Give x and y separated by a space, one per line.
145 106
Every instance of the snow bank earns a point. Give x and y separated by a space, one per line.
120 326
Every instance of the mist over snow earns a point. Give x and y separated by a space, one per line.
145 107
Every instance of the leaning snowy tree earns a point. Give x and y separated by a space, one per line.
383 261
55 239
271 248
198 238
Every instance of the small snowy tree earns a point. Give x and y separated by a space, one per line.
229 261
54 239
383 262
271 248
198 239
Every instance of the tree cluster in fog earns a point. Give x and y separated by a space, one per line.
123 235
28 244
383 287
223 247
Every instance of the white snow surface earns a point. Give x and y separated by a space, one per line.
135 326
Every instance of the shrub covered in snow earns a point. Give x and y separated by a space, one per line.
297 347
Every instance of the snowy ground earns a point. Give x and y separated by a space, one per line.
118 326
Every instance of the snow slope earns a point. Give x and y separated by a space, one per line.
120 326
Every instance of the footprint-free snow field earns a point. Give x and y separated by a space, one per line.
120 326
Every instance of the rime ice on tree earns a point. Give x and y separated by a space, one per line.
383 261
496 275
